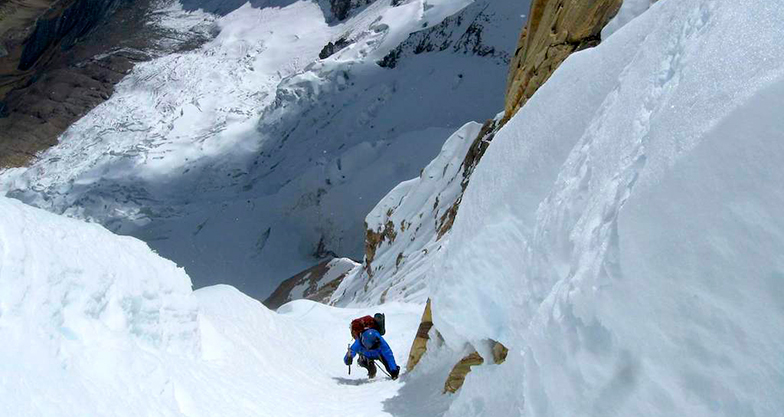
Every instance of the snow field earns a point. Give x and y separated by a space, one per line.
97 324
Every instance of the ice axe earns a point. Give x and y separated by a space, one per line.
349 353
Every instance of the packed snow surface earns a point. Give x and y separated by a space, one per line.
93 324
623 234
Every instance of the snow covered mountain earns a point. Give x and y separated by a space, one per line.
251 159
617 250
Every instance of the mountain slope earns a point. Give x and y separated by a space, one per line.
255 141
60 59
627 250
98 324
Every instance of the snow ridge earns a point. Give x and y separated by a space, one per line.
618 249
409 219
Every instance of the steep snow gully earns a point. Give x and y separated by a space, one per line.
98 325
622 236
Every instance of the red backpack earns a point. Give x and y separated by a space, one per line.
367 322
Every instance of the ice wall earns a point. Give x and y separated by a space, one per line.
622 234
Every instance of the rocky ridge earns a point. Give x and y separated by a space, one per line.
463 32
316 283
555 30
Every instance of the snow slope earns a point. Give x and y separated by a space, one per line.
629 251
95 324
250 159
409 218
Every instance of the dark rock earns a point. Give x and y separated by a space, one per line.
460 33
330 48
65 28
341 8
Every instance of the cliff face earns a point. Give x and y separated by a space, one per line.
60 59
341 8
555 29
39 94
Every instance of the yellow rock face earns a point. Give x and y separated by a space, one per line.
419 347
555 29
459 372
457 377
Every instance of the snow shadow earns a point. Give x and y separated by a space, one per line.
351 381
420 396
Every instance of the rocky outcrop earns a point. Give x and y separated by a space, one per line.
374 239
341 8
316 283
462 33
330 48
419 347
555 29
459 372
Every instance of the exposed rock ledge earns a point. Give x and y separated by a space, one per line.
555 29
316 283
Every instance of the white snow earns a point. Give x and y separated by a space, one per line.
416 209
94 324
623 234
235 160
629 10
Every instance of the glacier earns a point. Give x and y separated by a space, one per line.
251 159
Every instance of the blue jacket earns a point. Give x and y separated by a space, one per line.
381 349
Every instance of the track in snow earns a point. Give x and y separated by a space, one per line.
290 363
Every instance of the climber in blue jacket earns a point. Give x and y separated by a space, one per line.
371 346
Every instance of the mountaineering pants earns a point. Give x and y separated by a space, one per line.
370 364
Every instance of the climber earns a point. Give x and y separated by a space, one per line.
370 345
